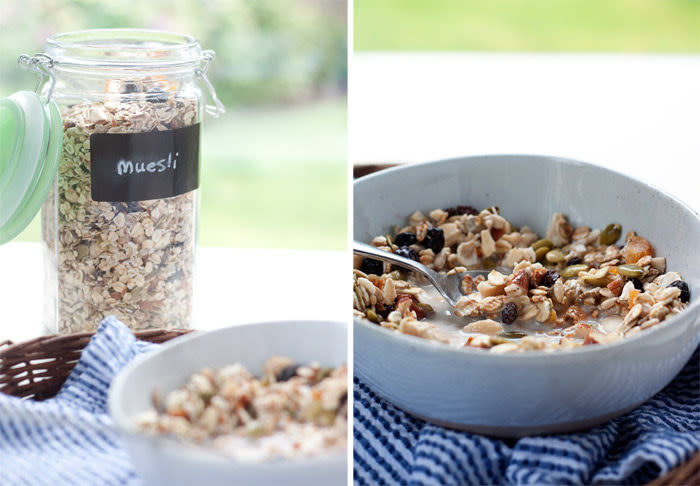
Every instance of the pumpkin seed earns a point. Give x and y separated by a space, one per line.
372 316
360 300
610 234
541 252
489 263
631 271
555 256
597 278
544 242
512 334
573 270
83 251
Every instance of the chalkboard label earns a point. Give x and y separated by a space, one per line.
140 166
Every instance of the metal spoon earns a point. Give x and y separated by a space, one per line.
449 286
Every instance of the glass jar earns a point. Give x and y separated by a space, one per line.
119 225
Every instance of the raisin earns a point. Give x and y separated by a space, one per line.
385 310
156 95
435 240
407 252
287 372
460 210
549 278
420 313
509 313
405 239
685 291
573 261
637 284
371 266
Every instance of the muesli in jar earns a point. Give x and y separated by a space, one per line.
130 259
569 288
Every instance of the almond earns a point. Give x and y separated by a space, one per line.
521 279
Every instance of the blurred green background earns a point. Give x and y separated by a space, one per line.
528 25
274 167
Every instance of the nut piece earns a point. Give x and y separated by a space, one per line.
494 285
488 245
559 230
616 286
521 279
597 277
485 326
517 255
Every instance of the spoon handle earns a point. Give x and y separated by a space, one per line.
370 251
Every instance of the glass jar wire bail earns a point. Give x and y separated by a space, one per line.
218 108
43 66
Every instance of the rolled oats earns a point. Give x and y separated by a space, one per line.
560 303
291 411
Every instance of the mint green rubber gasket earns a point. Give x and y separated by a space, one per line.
31 205
12 138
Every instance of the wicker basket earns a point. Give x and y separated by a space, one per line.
38 368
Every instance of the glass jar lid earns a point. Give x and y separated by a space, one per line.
123 48
30 146
31 130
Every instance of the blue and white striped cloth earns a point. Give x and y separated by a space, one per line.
69 439
391 447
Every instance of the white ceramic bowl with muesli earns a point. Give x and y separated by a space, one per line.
595 311
253 404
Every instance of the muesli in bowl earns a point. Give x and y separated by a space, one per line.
570 287
291 411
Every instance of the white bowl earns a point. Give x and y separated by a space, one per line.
535 392
161 461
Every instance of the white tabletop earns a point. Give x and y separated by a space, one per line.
233 286
637 114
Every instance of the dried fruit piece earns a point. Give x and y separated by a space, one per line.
549 278
685 291
636 248
407 252
405 239
370 266
509 314
287 372
459 210
435 240
420 313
